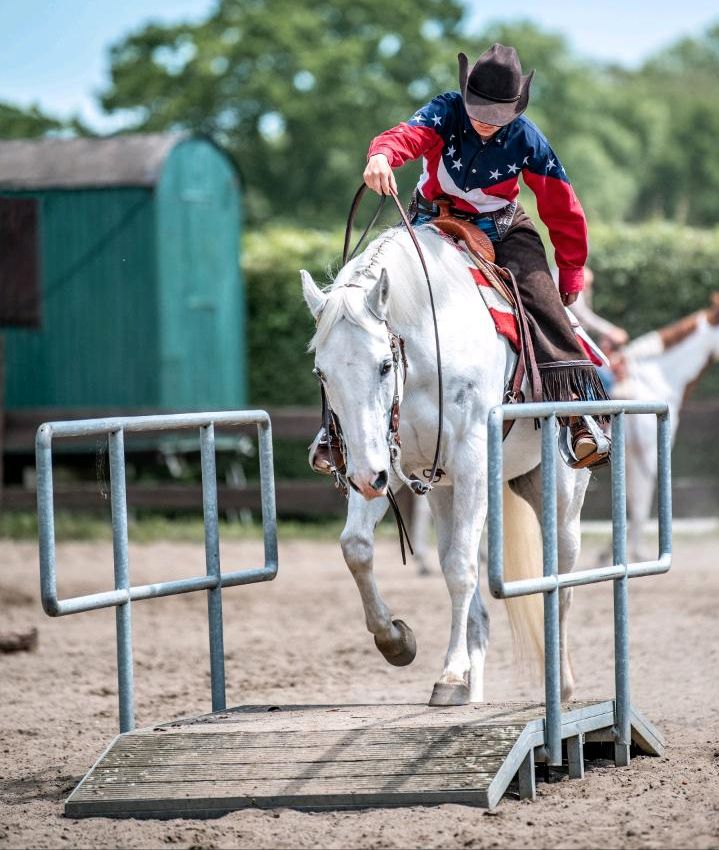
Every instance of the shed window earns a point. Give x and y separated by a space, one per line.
19 262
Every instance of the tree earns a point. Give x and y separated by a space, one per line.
17 123
295 90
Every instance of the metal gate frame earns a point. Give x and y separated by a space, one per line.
124 594
551 581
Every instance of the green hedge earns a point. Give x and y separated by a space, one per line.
651 274
279 324
645 277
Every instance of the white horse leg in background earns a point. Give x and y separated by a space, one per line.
420 529
641 465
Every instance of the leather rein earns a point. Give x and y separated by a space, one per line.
433 474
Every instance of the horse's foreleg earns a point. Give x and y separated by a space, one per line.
459 517
393 638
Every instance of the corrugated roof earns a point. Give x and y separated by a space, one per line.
131 160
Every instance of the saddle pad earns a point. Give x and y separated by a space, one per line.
504 317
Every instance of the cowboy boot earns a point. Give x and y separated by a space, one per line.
583 445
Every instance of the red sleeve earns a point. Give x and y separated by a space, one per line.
560 210
404 142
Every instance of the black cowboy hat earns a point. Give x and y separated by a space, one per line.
495 91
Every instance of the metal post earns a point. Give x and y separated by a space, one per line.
123 616
575 756
622 732
267 490
526 778
664 483
212 559
46 519
552 683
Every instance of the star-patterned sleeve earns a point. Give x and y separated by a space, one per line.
416 136
559 209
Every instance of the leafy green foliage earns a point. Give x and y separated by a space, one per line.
649 275
279 324
16 123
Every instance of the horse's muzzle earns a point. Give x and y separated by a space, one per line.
372 488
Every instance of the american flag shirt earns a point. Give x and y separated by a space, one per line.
483 177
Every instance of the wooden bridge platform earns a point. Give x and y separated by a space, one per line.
338 757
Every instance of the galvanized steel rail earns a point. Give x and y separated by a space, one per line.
552 581
124 593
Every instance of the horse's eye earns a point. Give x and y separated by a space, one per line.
386 367
319 375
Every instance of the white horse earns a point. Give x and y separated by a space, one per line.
661 364
384 288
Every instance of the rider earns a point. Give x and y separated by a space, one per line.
474 145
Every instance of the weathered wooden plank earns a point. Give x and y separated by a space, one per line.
211 806
302 756
337 718
290 741
420 766
265 788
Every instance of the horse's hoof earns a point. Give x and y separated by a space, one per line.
402 652
445 693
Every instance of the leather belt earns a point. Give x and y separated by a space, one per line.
433 209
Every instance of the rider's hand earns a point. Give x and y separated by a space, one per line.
568 298
378 175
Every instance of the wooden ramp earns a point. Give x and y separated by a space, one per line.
335 757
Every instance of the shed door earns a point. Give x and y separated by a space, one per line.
19 262
202 304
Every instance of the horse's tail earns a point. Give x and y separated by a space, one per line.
523 560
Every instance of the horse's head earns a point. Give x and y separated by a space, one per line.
354 361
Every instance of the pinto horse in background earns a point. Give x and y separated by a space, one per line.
381 296
666 364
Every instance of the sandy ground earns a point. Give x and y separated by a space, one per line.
301 639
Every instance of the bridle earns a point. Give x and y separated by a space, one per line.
332 427
330 419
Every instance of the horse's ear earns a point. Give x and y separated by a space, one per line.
314 297
378 296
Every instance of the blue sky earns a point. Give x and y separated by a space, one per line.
54 52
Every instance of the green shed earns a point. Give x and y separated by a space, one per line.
141 297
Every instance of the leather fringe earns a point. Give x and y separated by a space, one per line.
571 382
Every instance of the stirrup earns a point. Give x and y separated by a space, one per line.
599 457
325 455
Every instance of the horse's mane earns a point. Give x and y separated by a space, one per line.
391 250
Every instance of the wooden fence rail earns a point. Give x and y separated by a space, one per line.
694 495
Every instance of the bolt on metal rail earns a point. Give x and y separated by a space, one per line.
552 581
124 593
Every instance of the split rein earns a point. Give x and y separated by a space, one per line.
330 421
419 488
